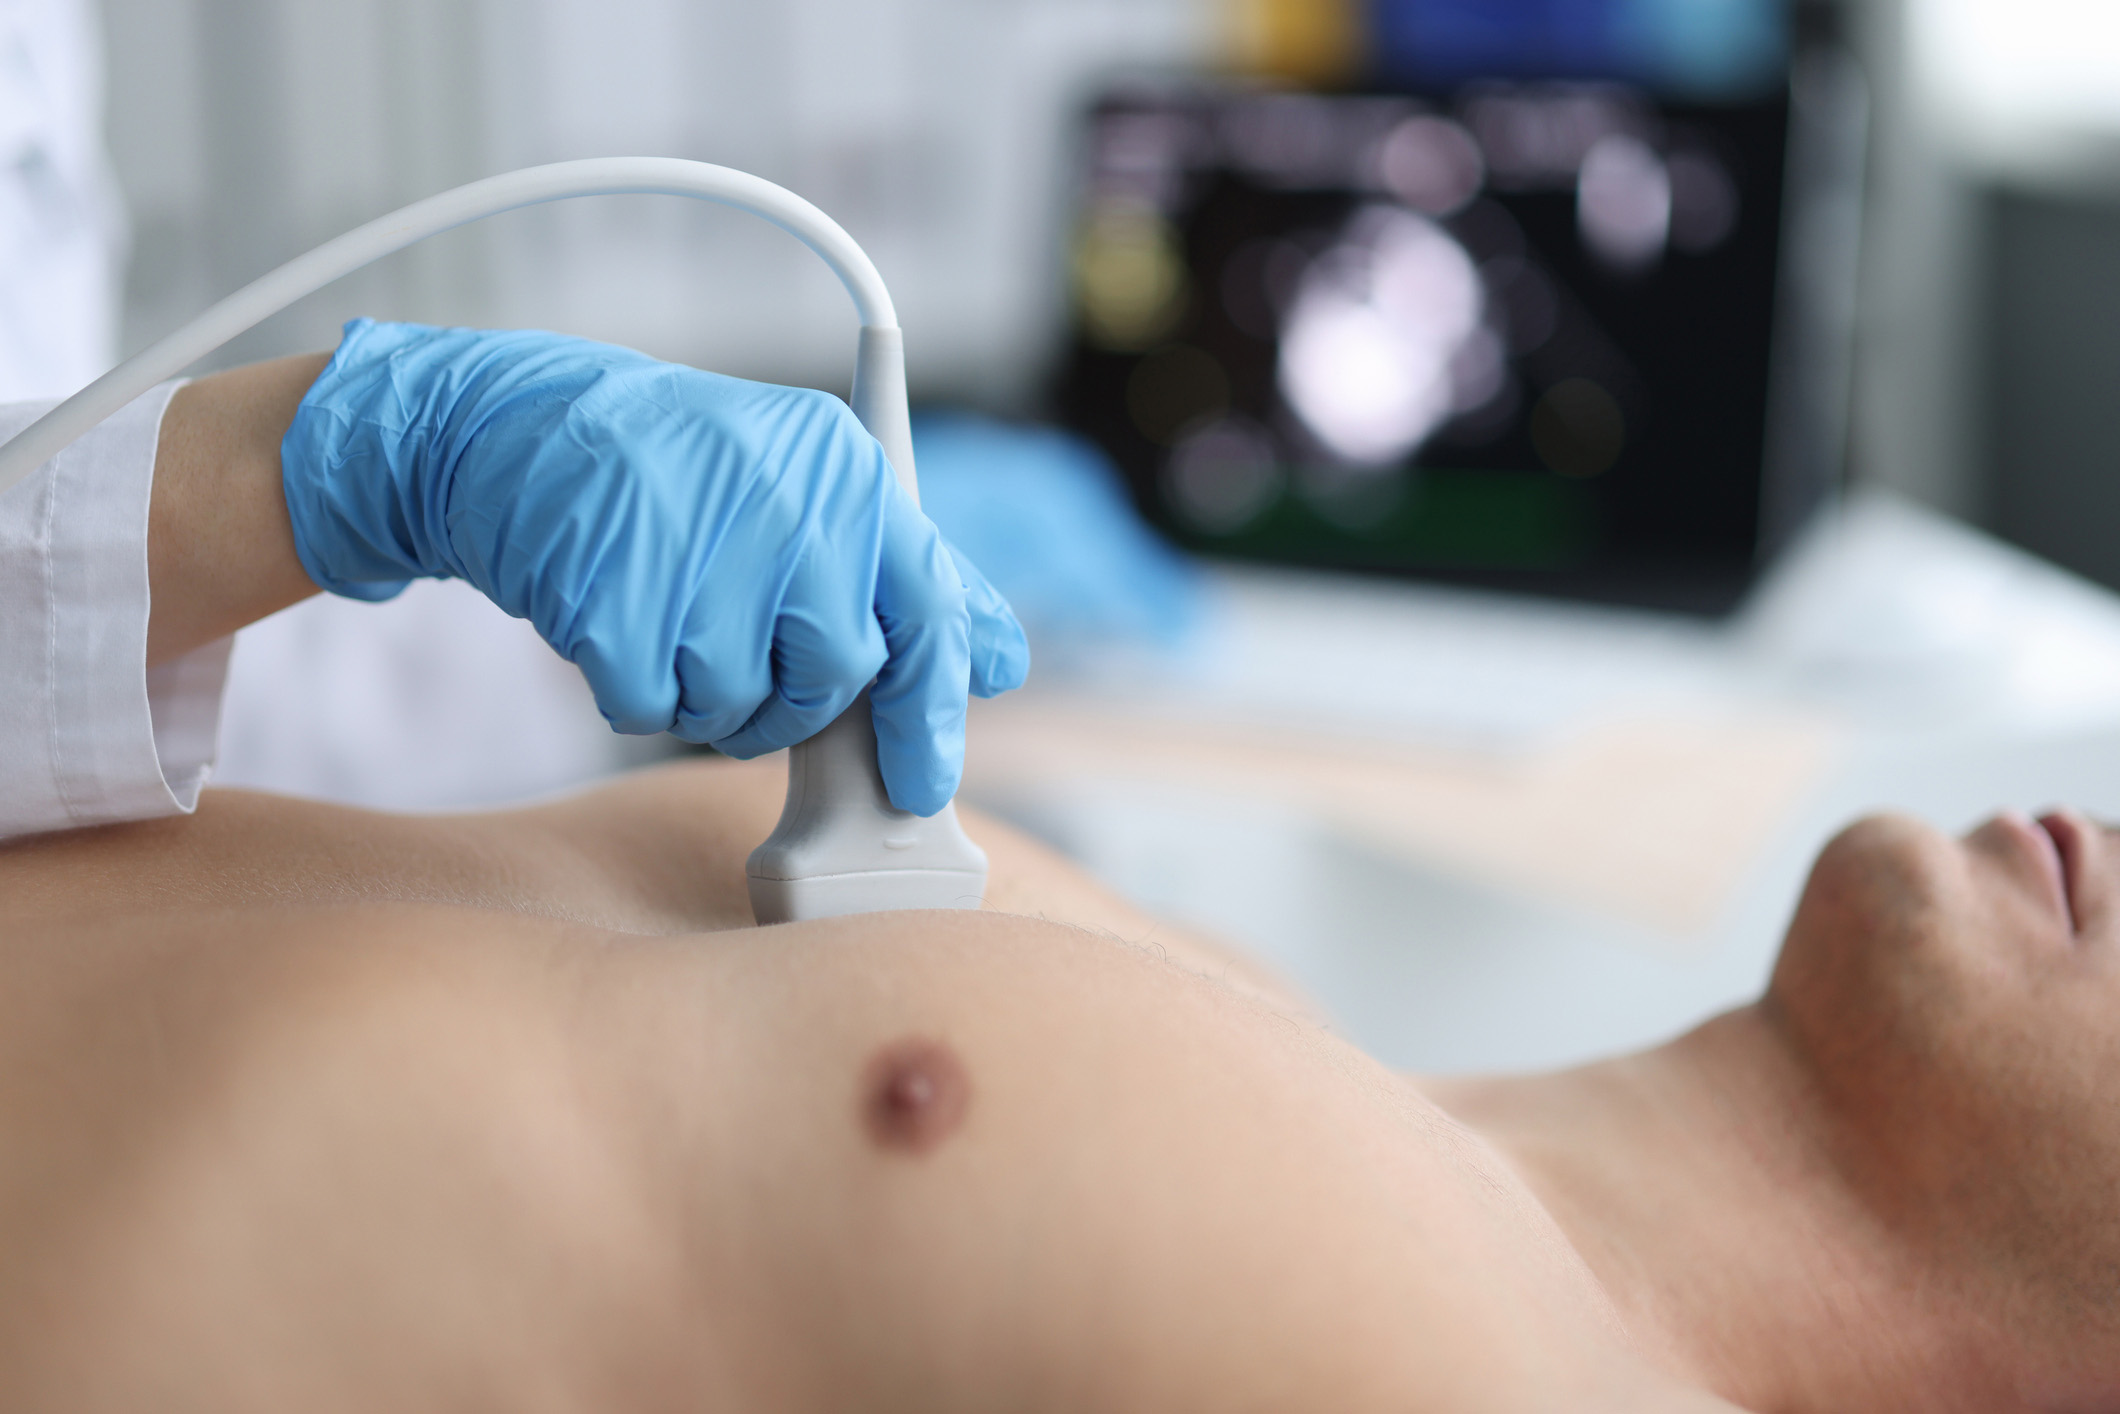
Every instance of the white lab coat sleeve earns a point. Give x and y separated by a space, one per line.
88 734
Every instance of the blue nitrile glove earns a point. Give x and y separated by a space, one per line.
1048 514
730 561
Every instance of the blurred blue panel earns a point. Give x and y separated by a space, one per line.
1698 48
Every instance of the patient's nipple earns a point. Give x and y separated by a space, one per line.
914 1095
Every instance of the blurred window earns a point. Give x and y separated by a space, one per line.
2027 64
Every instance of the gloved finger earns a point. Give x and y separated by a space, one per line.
1001 655
724 655
827 646
719 691
920 693
603 601
635 690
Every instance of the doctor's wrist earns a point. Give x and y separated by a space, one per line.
220 547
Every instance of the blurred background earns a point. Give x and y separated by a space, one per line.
945 135
1492 484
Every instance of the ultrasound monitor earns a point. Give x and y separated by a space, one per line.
1527 310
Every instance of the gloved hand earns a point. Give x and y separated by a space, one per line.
727 560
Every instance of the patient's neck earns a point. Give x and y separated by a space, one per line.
1694 1182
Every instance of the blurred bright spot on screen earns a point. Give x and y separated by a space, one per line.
1223 476
1431 164
1129 275
1577 428
1378 334
1623 202
1703 201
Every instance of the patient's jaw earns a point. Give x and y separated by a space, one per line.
1956 1005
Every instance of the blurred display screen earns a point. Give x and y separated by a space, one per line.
1509 329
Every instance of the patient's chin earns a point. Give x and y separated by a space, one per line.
1853 966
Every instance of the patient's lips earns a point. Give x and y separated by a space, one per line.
914 1095
2044 849
2065 829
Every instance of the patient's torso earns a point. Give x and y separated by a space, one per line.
304 1109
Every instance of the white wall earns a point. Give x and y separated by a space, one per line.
2033 83
935 130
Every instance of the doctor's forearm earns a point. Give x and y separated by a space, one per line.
220 550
